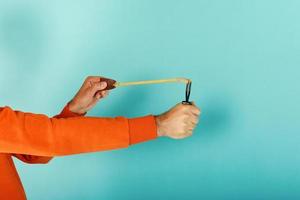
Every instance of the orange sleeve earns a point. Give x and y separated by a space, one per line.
31 159
66 113
37 134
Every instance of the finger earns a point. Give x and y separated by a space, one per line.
195 121
98 86
93 79
103 93
106 93
192 123
103 85
90 80
194 110
185 108
193 117
98 95
191 128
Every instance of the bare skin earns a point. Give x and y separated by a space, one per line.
88 95
177 123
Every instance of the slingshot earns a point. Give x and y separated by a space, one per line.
111 84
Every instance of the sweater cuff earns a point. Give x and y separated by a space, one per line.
66 112
142 129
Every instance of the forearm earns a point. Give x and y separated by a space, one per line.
36 134
33 159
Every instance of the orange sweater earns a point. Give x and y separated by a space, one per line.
35 138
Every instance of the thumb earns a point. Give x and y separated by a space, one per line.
103 85
98 86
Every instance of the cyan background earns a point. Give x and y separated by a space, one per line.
243 57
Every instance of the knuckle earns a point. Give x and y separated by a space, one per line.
196 110
195 107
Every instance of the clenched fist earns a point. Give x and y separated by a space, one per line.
179 122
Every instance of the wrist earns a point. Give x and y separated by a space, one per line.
158 122
73 107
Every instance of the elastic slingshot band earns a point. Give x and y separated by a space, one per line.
111 84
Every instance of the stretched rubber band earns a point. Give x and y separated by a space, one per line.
113 84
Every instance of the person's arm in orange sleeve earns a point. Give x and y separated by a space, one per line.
31 159
34 134
83 100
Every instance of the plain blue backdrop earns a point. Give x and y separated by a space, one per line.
243 57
